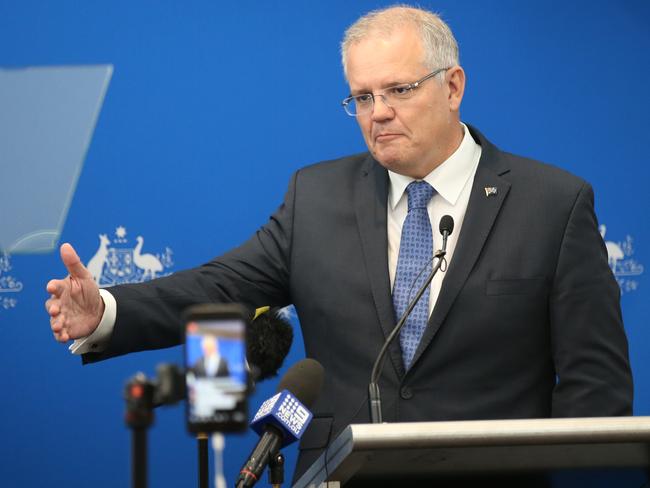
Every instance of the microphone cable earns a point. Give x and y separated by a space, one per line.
446 227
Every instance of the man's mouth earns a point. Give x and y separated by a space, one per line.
387 137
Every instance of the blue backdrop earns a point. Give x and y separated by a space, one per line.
209 99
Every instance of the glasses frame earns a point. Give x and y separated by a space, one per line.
411 87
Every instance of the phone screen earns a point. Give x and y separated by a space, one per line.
216 373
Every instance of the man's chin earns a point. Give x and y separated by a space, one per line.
387 159
398 165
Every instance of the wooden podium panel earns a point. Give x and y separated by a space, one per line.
483 446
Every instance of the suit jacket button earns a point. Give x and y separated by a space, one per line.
406 393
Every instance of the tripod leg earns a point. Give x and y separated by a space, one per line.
202 440
139 458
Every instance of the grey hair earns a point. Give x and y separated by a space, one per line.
440 46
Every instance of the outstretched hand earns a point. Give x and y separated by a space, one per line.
75 305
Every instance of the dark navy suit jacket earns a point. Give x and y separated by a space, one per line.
527 323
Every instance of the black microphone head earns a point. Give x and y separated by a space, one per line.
446 224
304 380
269 339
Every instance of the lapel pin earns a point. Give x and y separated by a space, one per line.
490 190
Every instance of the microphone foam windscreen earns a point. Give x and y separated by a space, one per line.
268 343
446 224
305 380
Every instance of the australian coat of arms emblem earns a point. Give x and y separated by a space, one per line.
117 262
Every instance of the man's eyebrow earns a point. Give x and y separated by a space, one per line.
388 84
360 91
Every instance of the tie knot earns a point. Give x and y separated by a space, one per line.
419 194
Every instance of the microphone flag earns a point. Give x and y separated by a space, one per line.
287 413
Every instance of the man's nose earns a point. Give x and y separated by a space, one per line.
381 110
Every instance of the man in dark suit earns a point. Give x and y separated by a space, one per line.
525 322
211 363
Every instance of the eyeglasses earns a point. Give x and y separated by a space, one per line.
392 96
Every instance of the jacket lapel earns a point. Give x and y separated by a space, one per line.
482 211
371 199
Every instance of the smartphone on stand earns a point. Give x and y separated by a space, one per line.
216 371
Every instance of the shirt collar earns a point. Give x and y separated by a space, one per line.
448 179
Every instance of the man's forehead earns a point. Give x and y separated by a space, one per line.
384 59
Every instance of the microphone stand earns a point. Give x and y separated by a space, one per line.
276 470
204 471
374 398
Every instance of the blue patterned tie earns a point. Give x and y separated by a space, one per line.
415 252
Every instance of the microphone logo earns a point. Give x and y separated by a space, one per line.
294 414
266 407
287 413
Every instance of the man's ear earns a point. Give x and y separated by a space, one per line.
455 77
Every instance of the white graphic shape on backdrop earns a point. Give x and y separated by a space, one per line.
148 263
116 262
96 263
625 268
9 285
287 313
47 120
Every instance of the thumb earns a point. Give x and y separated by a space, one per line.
72 262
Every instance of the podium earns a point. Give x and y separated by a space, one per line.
434 449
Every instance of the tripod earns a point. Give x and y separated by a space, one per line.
142 396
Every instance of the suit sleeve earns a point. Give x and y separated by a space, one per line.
254 274
590 349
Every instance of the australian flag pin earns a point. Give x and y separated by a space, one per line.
490 190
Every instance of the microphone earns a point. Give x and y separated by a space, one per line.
445 227
268 342
283 418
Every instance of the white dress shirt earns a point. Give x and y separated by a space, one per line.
452 182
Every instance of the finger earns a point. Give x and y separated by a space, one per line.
52 306
72 262
56 324
61 336
55 287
